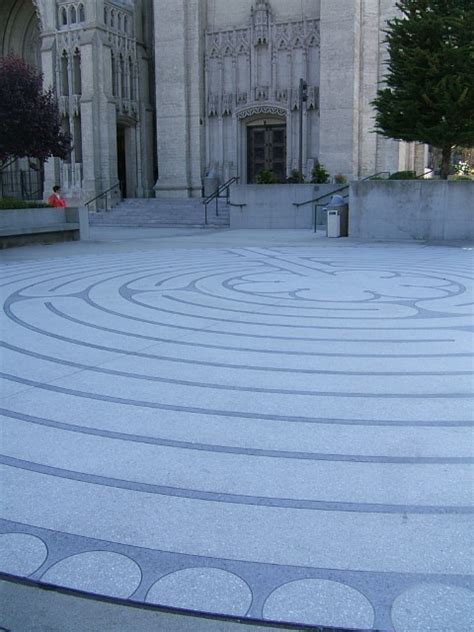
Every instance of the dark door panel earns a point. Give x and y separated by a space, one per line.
266 150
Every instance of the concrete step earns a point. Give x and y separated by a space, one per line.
155 212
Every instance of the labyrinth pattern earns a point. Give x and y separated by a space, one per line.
278 433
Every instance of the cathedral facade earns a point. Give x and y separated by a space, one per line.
157 94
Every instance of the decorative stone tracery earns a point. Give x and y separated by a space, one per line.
259 67
124 67
261 110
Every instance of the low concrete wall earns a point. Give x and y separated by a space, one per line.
22 226
405 209
271 206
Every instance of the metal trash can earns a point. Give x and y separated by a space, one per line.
337 217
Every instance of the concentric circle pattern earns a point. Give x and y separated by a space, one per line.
270 416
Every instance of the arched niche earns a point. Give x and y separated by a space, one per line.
21 30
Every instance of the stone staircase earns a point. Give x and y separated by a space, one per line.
162 212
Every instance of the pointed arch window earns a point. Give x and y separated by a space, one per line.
63 16
114 74
131 79
122 77
64 74
82 13
73 14
76 70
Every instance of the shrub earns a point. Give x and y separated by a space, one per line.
340 179
14 203
295 177
403 175
266 177
319 175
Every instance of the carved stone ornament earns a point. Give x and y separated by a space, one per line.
36 5
261 17
261 109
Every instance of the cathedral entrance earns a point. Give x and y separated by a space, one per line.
266 150
121 160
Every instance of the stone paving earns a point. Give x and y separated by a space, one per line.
266 424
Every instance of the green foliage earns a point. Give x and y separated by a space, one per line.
403 175
319 175
295 177
340 179
429 93
266 177
30 123
14 203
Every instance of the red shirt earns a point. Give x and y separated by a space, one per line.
56 201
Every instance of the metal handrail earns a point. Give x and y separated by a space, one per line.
217 194
422 175
321 197
104 193
346 186
298 204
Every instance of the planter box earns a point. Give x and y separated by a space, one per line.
42 225
271 205
411 209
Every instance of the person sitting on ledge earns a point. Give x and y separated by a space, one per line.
55 198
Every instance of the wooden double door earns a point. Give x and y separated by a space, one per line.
266 151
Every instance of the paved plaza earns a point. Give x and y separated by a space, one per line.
266 424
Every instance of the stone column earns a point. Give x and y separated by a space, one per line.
179 96
339 84
52 173
98 117
352 56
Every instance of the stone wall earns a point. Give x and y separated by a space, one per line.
271 206
404 209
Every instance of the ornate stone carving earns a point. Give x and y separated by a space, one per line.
261 109
227 104
312 102
213 105
37 8
261 17
227 43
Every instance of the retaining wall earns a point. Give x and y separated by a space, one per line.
271 206
405 209
43 225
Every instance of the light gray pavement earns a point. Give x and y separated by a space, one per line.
265 424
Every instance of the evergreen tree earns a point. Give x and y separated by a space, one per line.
429 93
30 124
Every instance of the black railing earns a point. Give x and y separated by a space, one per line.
217 195
423 175
317 201
25 185
105 194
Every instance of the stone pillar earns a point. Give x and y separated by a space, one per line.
339 86
52 175
353 55
98 118
179 96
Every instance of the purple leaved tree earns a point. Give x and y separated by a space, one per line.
30 124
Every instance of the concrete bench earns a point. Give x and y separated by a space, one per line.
42 225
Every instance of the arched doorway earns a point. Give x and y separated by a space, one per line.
20 35
127 164
266 149
262 141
